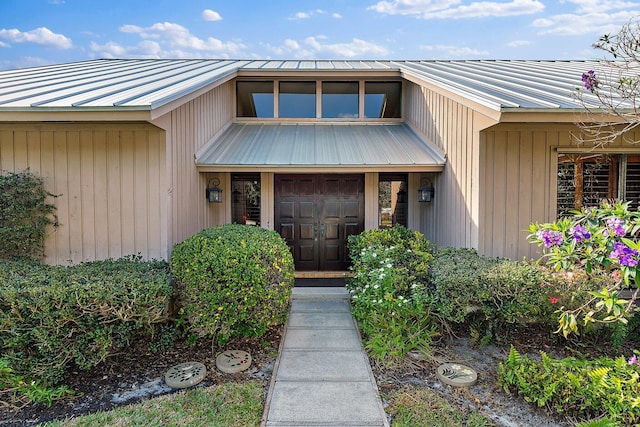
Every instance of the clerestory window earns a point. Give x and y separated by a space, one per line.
319 99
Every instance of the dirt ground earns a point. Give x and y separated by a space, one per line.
137 374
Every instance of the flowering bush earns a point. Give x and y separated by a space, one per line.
389 267
594 240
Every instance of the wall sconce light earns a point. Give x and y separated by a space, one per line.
213 192
426 191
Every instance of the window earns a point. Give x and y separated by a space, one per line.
255 99
337 99
392 200
245 199
297 100
382 100
340 100
585 180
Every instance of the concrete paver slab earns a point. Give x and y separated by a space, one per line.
319 320
307 365
308 402
322 339
320 306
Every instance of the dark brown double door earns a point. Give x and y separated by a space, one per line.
315 214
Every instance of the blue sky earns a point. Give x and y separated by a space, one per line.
40 32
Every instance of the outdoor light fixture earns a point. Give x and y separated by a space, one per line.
426 191
213 192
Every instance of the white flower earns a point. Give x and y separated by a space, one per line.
376 287
374 254
389 266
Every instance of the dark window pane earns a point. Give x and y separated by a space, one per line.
245 199
566 188
392 200
255 99
632 188
382 100
595 183
339 99
297 100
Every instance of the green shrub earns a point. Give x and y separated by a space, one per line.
492 294
234 280
389 267
585 388
24 215
457 289
54 317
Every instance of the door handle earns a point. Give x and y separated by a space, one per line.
315 233
322 231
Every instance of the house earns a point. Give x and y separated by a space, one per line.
137 149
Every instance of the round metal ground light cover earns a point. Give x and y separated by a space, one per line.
457 375
232 361
185 375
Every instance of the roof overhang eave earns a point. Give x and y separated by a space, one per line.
554 115
75 114
285 168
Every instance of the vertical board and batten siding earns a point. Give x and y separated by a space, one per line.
190 127
451 219
519 179
110 183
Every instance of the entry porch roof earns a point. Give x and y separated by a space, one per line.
326 147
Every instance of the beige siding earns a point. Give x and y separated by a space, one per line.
110 181
452 217
518 181
189 127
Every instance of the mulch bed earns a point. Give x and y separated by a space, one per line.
134 370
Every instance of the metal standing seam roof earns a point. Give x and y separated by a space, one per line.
147 84
319 145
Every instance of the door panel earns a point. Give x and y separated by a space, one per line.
315 214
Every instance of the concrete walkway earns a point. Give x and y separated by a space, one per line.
322 376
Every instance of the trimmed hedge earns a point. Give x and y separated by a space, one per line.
55 317
233 280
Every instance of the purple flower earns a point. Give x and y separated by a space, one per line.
624 254
549 237
617 225
580 233
634 360
589 80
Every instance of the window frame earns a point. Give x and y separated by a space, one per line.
361 117
617 179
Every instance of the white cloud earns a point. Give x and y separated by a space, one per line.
589 17
3 44
144 49
519 43
412 7
336 16
316 48
452 9
211 15
575 24
174 40
42 36
307 15
455 51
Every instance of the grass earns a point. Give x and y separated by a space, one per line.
420 406
229 404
